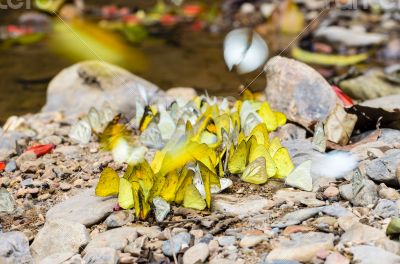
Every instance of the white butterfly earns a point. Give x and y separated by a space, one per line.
245 49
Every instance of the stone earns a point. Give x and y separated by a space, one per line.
302 247
331 192
135 248
289 132
388 103
383 169
196 254
175 244
11 166
97 83
58 236
372 255
388 193
308 96
339 125
64 186
85 208
386 209
359 233
7 204
336 210
117 238
301 150
119 218
336 258
25 157
292 196
61 257
296 229
183 93
364 87
296 217
349 36
367 196
240 206
14 248
103 255
226 240
251 240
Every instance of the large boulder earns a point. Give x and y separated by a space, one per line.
93 83
299 91
14 248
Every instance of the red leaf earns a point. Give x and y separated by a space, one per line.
2 166
192 10
41 150
168 20
347 101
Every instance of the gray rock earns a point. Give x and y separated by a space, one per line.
372 255
289 132
196 254
301 150
85 208
336 210
76 259
176 243
279 261
240 206
97 83
226 240
308 96
367 196
14 248
297 217
7 203
8 143
57 258
386 208
59 236
371 85
116 238
11 166
119 218
389 103
302 247
293 196
360 233
104 255
349 36
384 169
389 136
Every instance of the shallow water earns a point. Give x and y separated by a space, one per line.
185 59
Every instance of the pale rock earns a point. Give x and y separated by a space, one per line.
60 257
119 218
302 247
251 241
7 203
97 83
367 196
331 192
371 255
183 93
296 217
85 208
386 209
359 233
196 254
241 207
292 196
116 238
336 258
388 193
308 97
384 169
103 255
14 248
58 236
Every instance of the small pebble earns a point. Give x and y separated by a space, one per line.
331 192
251 241
65 186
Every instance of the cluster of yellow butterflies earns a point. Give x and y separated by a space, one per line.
200 144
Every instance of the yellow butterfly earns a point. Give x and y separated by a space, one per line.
108 184
283 163
193 199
